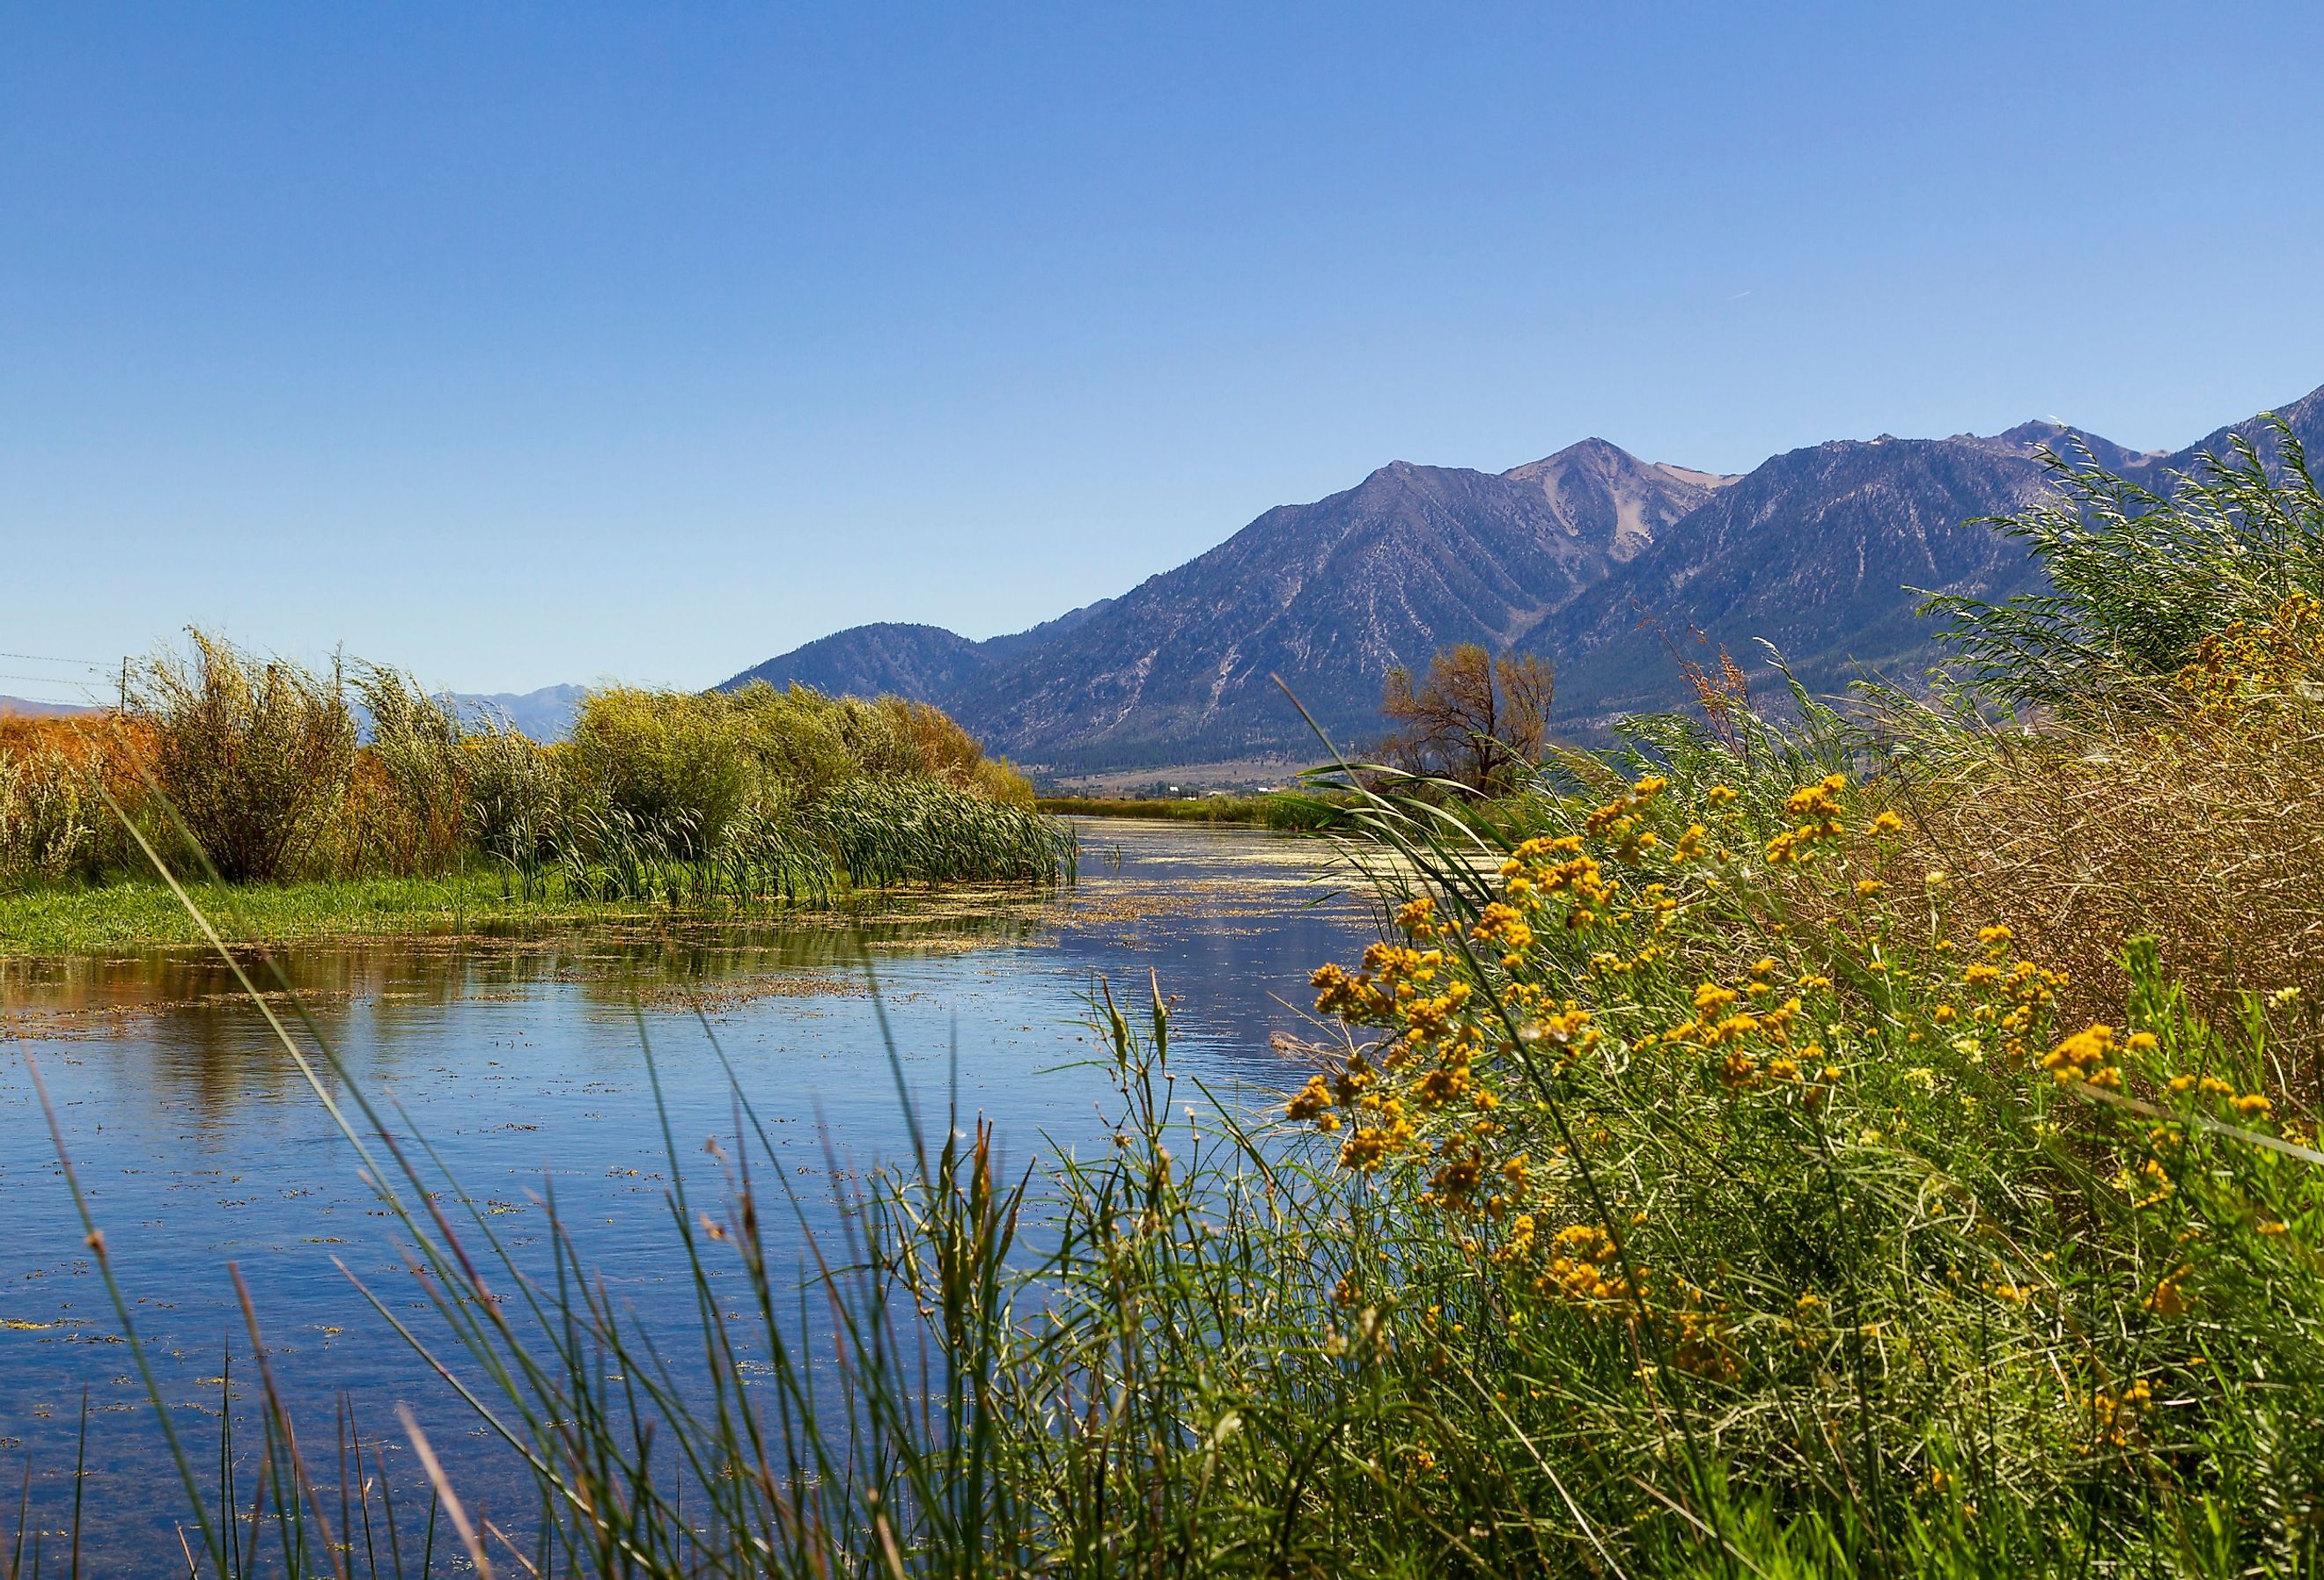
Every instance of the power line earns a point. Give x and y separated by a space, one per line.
49 680
52 659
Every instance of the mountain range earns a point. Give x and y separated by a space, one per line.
1602 562
546 714
30 707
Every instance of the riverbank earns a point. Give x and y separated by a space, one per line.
1295 814
129 915
353 804
146 915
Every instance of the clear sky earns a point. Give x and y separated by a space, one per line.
528 344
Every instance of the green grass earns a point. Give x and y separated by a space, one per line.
862 836
1289 812
133 915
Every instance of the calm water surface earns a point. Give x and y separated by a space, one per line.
201 1144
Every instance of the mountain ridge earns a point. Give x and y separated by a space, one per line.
1326 596
1594 558
923 662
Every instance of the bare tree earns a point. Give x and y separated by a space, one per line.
1476 719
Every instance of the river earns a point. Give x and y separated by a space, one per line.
523 1062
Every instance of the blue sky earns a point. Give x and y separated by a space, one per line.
527 344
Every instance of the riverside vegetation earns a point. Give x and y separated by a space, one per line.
1290 813
356 800
1831 1145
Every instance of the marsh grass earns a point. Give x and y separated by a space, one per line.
1292 813
355 801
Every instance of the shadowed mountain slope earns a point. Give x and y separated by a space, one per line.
925 663
1811 552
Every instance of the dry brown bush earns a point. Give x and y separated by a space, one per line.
2199 826
1472 718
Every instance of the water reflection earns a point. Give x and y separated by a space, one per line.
188 1009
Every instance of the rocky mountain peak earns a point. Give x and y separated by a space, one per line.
1609 498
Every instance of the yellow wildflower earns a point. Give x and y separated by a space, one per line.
1315 1098
1500 924
2086 1056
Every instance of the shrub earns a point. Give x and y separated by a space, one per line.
673 762
794 739
945 751
876 733
44 820
2191 813
415 771
515 812
64 768
2139 579
255 755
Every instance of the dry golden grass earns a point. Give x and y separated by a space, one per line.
121 745
2200 825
